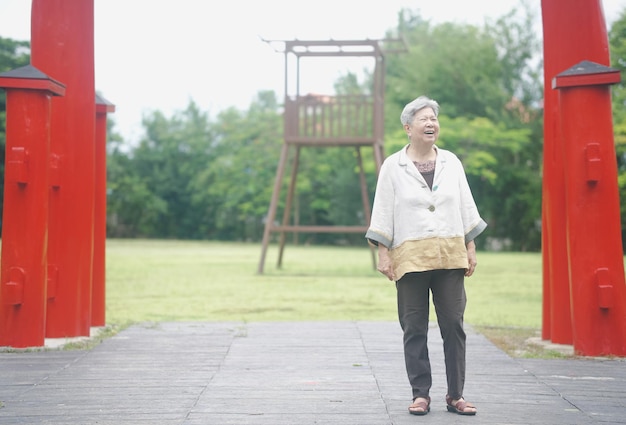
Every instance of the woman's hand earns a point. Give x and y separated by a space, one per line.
385 265
471 259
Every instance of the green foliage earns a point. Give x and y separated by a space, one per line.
151 192
465 80
235 186
517 47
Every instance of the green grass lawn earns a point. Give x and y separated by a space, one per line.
156 280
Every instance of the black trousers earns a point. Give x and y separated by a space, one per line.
449 299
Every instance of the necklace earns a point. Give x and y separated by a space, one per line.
425 166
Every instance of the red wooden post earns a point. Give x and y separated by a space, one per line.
594 242
593 228
572 32
98 293
25 212
62 45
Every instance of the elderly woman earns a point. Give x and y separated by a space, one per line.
424 221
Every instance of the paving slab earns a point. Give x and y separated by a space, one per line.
296 373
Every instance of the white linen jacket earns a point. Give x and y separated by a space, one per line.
424 229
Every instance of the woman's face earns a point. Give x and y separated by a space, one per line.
424 130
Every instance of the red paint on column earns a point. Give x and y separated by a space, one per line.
25 212
62 46
593 228
571 33
98 296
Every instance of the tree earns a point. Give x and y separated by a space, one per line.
233 189
150 188
132 209
519 55
467 79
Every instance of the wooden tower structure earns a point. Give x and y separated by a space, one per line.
321 121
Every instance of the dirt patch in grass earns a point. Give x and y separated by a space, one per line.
523 342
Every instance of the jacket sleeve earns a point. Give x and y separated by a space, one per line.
381 226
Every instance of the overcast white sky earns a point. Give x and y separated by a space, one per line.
160 54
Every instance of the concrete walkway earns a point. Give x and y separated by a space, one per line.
348 373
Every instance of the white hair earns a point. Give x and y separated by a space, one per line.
409 111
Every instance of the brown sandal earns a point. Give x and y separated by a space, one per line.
422 403
460 407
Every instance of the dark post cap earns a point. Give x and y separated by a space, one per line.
586 73
103 106
29 77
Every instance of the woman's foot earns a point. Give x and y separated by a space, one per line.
460 406
420 406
